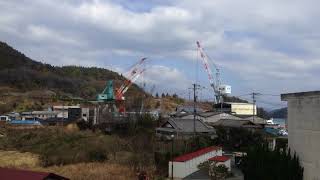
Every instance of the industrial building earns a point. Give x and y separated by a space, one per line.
304 130
38 114
63 110
237 108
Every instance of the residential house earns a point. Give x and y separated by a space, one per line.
304 130
231 123
212 117
254 119
208 117
188 109
184 128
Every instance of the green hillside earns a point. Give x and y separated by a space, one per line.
20 75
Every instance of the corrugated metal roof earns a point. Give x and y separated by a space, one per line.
15 174
220 158
189 156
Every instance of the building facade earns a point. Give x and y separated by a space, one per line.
237 108
187 164
38 115
184 129
304 130
63 110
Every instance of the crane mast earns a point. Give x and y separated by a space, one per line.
215 82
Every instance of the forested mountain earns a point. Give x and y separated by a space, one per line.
24 74
279 113
22 79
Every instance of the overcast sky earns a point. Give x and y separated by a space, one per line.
268 46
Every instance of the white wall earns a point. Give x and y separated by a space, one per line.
304 132
243 109
183 169
85 114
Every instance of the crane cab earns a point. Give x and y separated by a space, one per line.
225 89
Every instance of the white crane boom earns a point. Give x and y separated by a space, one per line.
133 74
215 82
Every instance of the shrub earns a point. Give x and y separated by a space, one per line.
261 163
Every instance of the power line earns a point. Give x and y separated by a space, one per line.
278 95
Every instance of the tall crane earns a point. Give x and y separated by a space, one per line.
110 94
215 82
132 75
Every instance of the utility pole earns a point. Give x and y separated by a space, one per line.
254 104
195 86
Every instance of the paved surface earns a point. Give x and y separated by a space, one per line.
198 175
237 174
202 175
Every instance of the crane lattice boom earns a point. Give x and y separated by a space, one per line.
133 74
215 82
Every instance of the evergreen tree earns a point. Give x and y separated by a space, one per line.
261 163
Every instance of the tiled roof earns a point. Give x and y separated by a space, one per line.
187 125
233 123
189 156
220 158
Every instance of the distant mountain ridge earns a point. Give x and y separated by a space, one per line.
279 113
24 74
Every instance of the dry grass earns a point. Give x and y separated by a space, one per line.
81 171
17 159
97 171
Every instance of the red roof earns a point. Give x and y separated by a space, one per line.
15 174
220 158
189 156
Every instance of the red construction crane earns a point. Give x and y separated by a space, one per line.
132 75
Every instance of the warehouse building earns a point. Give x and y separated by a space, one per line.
187 164
237 108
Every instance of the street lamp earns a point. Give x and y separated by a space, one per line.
172 138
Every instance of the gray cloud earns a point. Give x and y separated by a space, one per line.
257 41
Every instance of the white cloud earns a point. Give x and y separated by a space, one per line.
255 40
165 78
